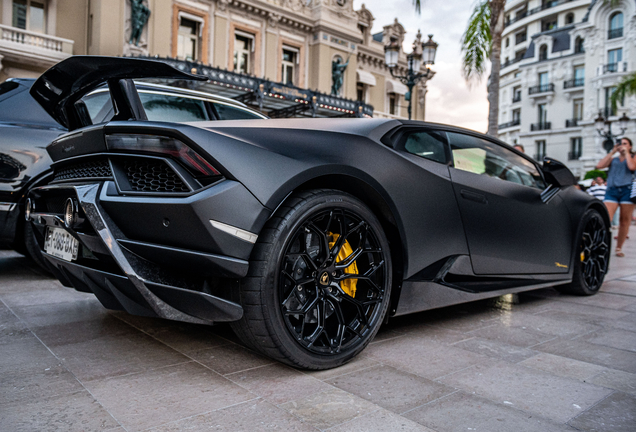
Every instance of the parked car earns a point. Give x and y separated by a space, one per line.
26 129
305 234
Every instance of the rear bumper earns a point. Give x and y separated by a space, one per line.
147 278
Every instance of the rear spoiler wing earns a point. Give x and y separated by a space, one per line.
60 89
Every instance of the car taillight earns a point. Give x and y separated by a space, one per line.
168 146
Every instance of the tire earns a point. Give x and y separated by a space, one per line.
33 248
319 282
592 256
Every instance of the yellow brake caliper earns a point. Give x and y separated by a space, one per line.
347 285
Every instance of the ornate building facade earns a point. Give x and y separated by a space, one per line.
561 62
275 54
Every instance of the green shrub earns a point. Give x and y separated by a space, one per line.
595 173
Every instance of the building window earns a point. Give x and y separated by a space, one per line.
543 81
507 42
521 37
549 24
576 148
614 57
360 92
579 76
516 94
393 104
542 113
578 45
243 49
289 69
543 52
189 39
516 116
540 154
616 26
609 111
577 109
569 18
29 15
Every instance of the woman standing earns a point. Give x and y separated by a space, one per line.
619 182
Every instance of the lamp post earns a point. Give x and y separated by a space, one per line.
604 128
414 62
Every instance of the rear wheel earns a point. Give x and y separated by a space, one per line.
592 256
319 282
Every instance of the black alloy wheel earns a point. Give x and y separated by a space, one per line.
592 260
319 283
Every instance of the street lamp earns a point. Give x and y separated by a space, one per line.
414 62
604 128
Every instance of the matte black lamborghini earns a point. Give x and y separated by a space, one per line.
306 234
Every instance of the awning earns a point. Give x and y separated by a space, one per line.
365 77
393 86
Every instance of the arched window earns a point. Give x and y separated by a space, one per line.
543 52
569 18
578 45
615 26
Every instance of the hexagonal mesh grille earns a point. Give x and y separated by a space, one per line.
149 175
96 168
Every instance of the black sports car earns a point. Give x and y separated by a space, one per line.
26 129
304 234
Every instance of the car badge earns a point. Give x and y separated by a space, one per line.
68 149
324 279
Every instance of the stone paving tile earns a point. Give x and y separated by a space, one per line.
615 379
380 420
82 331
543 324
329 408
512 335
183 337
563 366
277 383
617 413
428 330
360 362
585 313
24 351
604 300
628 322
230 358
66 413
558 399
496 349
619 339
46 294
251 416
30 383
591 353
464 412
428 359
395 390
159 396
624 287
116 355
61 313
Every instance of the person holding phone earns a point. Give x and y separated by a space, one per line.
619 183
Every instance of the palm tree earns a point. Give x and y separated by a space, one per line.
481 42
626 87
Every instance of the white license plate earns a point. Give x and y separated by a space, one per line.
61 244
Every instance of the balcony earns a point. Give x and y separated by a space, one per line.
608 112
615 33
544 88
516 98
529 12
510 62
515 122
573 83
37 49
574 155
572 123
540 126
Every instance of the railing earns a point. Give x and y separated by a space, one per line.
516 98
33 39
524 14
541 88
608 112
574 155
521 38
577 82
610 67
540 126
572 123
515 122
510 62
615 33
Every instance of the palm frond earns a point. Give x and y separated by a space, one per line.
418 6
476 42
626 87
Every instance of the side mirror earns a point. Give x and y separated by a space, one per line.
557 174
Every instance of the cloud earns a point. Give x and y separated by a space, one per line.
449 99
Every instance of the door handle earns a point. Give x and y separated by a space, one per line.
472 196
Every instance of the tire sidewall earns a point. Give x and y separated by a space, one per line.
579 276
292 221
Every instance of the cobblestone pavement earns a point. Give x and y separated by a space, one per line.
537 362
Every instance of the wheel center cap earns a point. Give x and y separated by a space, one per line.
324 279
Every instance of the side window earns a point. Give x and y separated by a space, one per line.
160 107
429 145
483 157
228 112
99 106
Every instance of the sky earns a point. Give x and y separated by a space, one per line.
449 99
